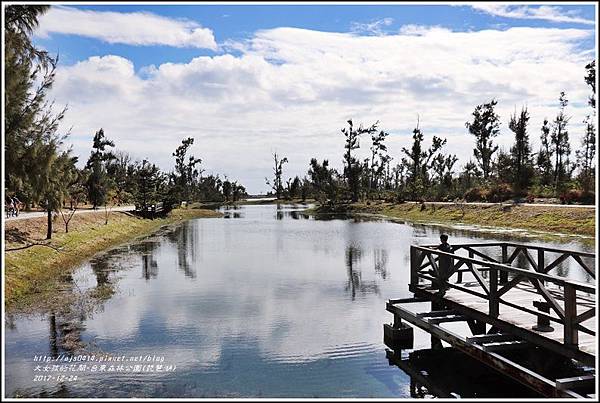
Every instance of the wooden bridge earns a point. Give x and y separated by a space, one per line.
151 210
526 318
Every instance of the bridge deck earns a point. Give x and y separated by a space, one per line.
525 295
506 293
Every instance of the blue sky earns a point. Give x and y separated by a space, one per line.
236 22
246 80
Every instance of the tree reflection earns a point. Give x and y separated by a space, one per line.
147 250
380 260
149 264
53 336
355 284
186 248
64 333
101 270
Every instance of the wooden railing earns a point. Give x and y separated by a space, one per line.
495 275
150 211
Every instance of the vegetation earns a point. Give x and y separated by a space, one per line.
549 220
40 171
426 173
35 271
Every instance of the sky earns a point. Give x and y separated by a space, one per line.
248 80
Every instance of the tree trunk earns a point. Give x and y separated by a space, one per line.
49 232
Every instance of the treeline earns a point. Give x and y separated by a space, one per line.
426 172
41 172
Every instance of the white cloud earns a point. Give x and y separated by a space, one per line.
292 90
547 13
374 27
137 28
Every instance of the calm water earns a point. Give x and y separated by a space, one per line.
265 302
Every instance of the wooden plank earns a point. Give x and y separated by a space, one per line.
558 261
449 318
586 315
575 382
588 269
510 368
483 256
506 345
562 281
547 249
483 338
520 329
479 279
435 314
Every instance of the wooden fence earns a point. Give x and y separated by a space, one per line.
495 274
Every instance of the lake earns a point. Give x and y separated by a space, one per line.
264 302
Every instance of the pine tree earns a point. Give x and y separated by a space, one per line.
32 141
419 162
379 158
186 172
520 152
277 184
148 184
544 156
561 148
99 183
353 168
586 155
485 126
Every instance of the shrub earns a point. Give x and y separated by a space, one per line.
499 193
475 194
577 196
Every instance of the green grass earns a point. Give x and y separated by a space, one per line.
33 273
555 220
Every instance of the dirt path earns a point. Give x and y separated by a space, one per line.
35 214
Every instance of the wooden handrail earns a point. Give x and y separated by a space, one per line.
565 315
516 245
510 269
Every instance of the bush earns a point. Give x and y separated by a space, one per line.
475 194
499 193
577 196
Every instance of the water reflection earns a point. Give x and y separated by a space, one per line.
65 333
380 259
293 214
287 305
355 282
101 269
232 211
186 249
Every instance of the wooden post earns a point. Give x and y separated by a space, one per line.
504 274
571 335
494 305
397 321
540 261
436 343
414 266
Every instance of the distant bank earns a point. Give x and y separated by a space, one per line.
555 219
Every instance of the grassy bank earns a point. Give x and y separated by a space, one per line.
557 220
34 272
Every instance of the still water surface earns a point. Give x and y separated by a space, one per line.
264 302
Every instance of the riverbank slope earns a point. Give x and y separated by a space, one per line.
33 272
550 219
